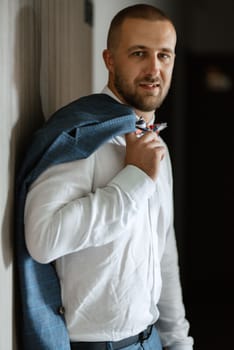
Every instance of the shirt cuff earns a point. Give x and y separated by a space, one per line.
135 182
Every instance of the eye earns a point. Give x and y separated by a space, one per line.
165 57
139 53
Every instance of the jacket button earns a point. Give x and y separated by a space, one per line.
61 310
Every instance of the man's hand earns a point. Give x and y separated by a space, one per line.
145 152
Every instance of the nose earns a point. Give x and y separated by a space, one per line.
154 65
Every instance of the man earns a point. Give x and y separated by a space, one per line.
107 220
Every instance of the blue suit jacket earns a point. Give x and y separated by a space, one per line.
73 132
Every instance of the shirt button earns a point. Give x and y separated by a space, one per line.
61 310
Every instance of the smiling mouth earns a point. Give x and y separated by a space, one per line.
150 85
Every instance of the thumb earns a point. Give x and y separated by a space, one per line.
130 137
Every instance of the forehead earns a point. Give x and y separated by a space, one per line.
151 34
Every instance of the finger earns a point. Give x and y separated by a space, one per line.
130 137
154 144
149 137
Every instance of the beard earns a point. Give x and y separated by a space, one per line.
145 102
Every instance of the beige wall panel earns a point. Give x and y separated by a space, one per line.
20 114
66 53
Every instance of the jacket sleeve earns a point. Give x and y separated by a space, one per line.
64 215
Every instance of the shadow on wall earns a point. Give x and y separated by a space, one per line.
27 113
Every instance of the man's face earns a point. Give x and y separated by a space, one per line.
140 67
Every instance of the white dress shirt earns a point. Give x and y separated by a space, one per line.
109 229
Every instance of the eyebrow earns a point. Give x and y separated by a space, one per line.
137 47
142 47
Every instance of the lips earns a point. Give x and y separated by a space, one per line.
150 83
150 86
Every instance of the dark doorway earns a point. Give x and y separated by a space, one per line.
210 199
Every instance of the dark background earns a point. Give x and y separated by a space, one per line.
199 112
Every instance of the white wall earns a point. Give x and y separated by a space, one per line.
20 113
104 11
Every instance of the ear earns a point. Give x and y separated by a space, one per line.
108 59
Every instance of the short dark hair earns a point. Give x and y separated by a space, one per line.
142 11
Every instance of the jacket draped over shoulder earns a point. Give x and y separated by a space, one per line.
73 132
